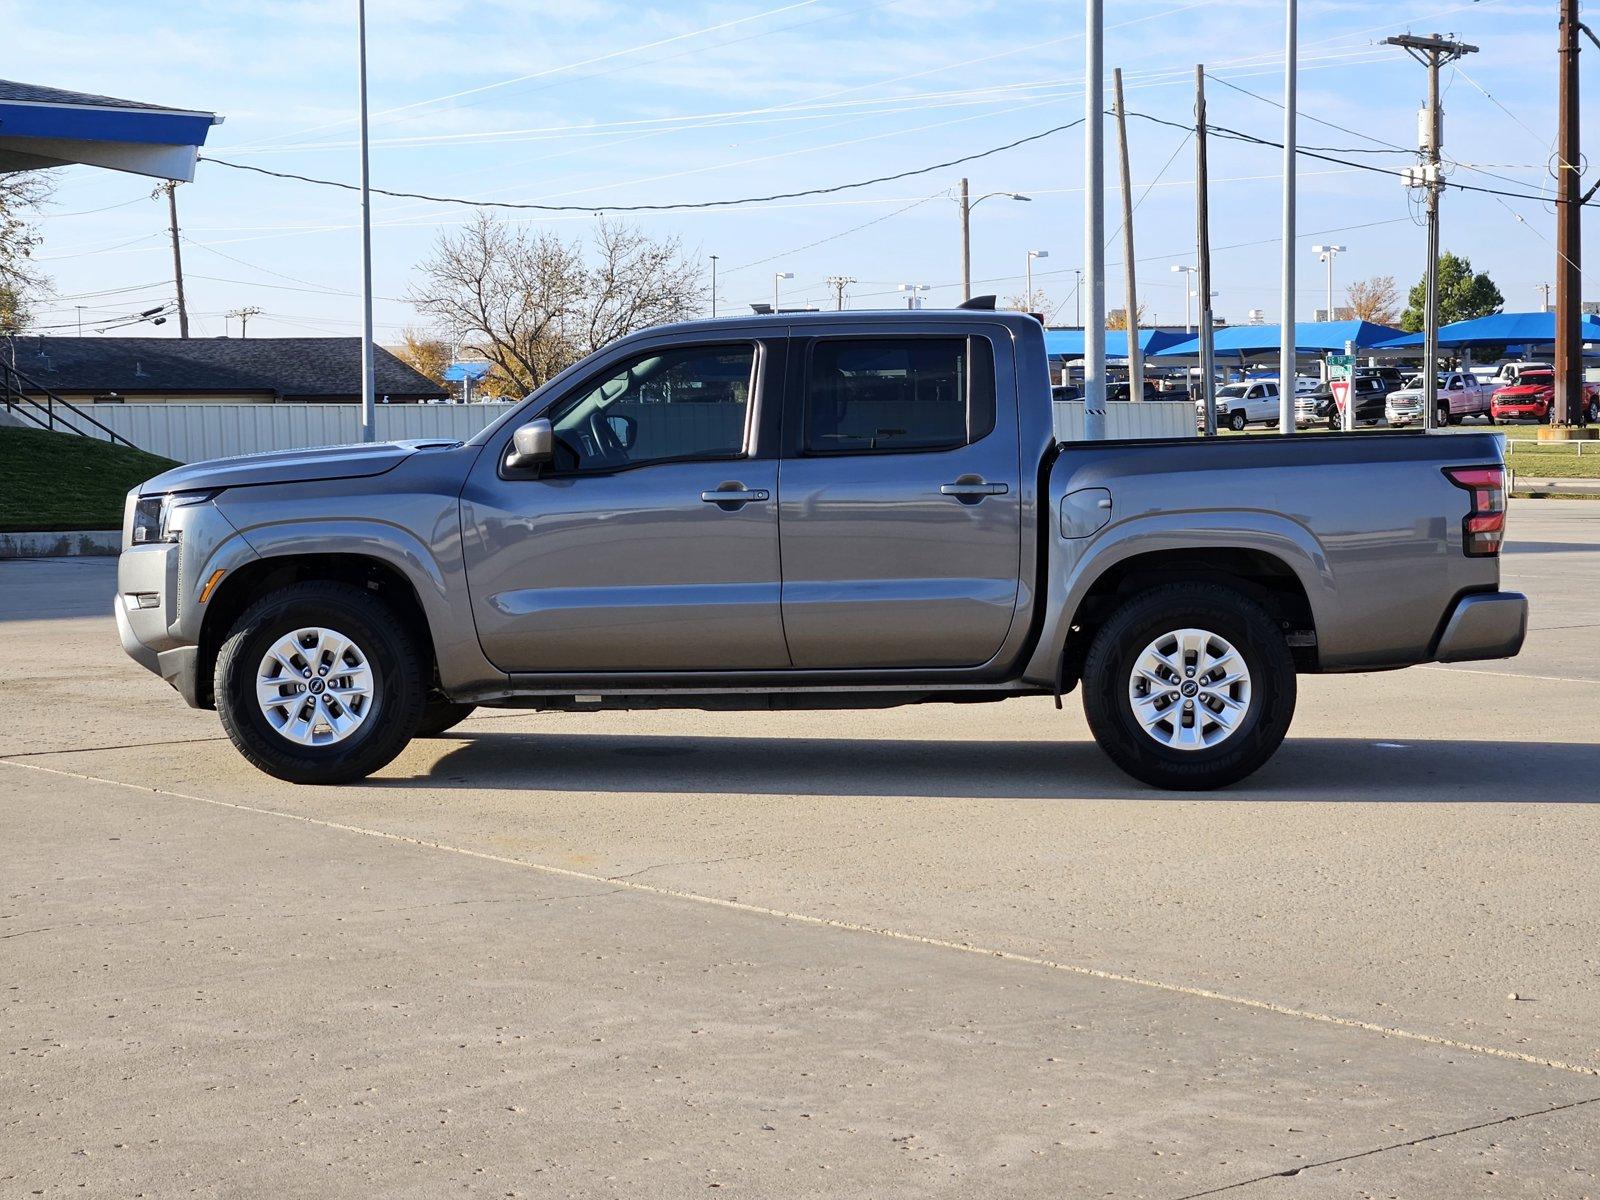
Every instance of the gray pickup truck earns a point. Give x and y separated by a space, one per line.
851 510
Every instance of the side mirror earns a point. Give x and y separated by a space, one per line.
624 428
532 445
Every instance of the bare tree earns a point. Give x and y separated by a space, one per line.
1376 300
1039 302
21 284
533 304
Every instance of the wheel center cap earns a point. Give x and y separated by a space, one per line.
1190 688
316 687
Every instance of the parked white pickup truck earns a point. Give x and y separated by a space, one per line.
1460 396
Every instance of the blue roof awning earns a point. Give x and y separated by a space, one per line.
43 127
1310 337
1068 343
1499 329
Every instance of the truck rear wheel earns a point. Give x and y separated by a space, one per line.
319 683
1189 686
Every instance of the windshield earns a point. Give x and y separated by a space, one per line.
1535 379
1234 391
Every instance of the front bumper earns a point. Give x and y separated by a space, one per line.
1484 625
146 608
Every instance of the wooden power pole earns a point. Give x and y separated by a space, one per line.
1131 325
177 259
1433 53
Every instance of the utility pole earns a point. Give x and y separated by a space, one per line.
243 314
838 283
1434 52
966 242
1202 206
1544 294
1286 330
1135 355
171 188
1094 220
1569 232
713 287
1077 296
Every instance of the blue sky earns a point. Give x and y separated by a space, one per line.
595 101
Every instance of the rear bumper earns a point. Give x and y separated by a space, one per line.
1486 625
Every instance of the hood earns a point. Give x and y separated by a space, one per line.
289 466
1523 391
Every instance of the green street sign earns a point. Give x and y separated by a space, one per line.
1341 366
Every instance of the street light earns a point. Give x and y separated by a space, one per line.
913 299
1326 254
1188 294
1033 254
777 279
966 231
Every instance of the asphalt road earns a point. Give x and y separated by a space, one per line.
930 951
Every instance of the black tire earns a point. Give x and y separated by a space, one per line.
1143 620
440 715
1236 422
397 694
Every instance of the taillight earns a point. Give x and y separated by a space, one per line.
1484 526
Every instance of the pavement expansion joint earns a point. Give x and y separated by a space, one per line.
620 883
1291 1172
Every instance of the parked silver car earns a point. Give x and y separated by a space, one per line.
838 510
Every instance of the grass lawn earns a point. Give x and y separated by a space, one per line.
60 481
1555 461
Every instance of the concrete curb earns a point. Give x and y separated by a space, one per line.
60 545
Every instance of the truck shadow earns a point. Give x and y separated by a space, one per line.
1304 769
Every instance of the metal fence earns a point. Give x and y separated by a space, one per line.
193 432
1125 419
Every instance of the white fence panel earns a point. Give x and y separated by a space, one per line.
195 432
1128 419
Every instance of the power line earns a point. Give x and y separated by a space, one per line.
674 207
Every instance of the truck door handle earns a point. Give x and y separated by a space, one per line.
730 497
972 491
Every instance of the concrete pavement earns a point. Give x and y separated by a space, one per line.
930 950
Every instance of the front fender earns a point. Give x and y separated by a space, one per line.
1075 564
431 565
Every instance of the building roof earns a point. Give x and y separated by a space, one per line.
38 93
296 368
42 127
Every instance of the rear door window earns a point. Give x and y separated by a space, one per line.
886 395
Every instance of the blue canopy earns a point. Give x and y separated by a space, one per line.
1310 337
1499 329
48 127
1068 343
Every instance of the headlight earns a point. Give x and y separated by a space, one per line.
152 515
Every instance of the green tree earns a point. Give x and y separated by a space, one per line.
1462 295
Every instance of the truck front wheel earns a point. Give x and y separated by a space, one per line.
319 683
1189 686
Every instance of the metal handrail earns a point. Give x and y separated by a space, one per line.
15 394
